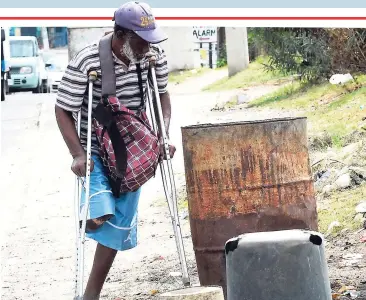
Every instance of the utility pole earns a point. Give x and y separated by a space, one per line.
46 43
237 49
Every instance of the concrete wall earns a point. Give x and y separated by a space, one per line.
79 38
179 47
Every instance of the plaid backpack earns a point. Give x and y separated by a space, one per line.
128 146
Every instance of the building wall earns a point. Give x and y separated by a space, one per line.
57 37
179 47
181 51
79 38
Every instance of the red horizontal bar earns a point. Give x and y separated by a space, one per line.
40 18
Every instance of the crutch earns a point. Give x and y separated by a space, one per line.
77 193
167 173
80 230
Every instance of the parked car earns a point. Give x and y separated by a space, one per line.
55 69
27 68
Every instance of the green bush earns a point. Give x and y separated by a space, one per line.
222 57
312 53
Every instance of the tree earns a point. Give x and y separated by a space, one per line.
313 53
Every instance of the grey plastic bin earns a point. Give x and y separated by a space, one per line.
277 265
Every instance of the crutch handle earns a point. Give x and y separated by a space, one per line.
151 56
93 76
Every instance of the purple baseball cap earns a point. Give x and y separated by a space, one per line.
138 17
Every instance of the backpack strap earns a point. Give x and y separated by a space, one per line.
107 66
139 76
107 69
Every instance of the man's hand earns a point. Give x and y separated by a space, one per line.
172 149
79 165
151 57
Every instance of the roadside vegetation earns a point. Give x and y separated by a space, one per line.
336 109
339 207
254 75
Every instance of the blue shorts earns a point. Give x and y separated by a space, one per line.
120 231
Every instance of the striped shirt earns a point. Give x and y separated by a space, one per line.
73 89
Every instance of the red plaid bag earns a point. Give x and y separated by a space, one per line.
128 146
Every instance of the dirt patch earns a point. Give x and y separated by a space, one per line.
320 142
347 265
354 136
339 179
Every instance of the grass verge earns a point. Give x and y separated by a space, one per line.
340 206
335 109
255 74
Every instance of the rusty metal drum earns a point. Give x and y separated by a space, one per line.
245 177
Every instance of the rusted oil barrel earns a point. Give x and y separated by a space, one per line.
245 177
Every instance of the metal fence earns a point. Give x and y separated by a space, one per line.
208 54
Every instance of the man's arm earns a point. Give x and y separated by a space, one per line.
69 99
162 73
166 109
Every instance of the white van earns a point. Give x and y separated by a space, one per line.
27 68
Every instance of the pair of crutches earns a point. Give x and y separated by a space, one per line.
167 177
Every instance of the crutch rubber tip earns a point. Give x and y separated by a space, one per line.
93 76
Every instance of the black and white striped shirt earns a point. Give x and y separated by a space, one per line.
73 89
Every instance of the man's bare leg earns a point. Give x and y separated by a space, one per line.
103 260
